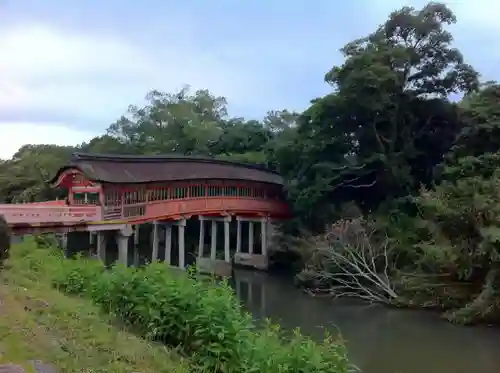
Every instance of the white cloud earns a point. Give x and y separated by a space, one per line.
43 69
95 77
482 14
15 135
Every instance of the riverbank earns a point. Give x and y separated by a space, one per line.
203 322
38 322
379 339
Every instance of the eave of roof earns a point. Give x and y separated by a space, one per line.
160 158
83 163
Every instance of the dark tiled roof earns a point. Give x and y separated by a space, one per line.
171 167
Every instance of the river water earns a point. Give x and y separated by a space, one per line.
379 339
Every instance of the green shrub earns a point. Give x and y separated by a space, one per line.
77 276
269 351
203 320
5 236
46 240
35 262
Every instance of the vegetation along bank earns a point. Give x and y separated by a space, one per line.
404 179
203 322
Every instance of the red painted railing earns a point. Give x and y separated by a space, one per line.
46 215
43 214
175 209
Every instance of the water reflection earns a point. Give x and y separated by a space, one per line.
380 340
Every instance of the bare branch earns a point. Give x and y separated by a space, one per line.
361 267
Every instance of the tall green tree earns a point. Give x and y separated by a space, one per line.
23 178
388 122
462 213
178 122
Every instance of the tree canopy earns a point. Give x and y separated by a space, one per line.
390 136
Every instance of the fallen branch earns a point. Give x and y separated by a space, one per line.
361 269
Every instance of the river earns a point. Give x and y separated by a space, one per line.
379 339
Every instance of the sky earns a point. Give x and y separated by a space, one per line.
68 69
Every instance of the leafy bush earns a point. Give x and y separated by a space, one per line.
33 261
203 320
5 235
46 240
78 276
269 352
463 217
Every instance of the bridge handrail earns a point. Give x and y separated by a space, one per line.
29 206
48 210
31 214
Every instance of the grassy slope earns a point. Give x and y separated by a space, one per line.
38 322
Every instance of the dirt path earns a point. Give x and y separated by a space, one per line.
37 366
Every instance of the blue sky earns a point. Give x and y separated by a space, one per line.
69 68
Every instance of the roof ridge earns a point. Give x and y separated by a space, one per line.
158 158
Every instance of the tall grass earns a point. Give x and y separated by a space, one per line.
202 320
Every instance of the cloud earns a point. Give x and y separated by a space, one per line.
48 75
46 69
88 80
15 135
82 77
482 14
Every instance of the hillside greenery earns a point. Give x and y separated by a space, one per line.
202 321
38 322
393 176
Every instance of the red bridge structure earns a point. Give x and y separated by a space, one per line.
111 194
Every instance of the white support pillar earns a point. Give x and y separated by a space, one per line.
64 244
201 242
250 237
227 253
181 224
168 244
238 288
238 236
263 300
101 245
136 246
263 235
123 237
64 241
213 243
92 242
250 292
156 241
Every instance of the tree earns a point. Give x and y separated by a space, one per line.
388 123
386 142
5 237
23 178
178 122
181 122
106 144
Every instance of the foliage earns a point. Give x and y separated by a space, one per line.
463 215
379 135
204 321
387 139
22 178
70 333
5 236
181 122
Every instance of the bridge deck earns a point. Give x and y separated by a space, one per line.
57 214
